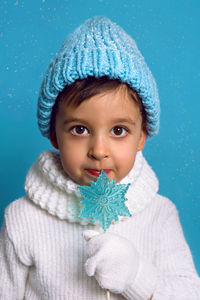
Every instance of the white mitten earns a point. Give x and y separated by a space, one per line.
112 259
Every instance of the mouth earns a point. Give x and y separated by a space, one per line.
96 173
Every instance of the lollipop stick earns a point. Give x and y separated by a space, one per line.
104 221
107 295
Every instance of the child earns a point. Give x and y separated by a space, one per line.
97 104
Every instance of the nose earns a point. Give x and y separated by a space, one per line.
98 148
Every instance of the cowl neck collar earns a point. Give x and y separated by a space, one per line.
49 187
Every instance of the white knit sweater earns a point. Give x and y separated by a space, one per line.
42 251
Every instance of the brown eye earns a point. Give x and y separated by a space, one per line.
79 130
118 131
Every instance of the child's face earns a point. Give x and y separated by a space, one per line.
104 132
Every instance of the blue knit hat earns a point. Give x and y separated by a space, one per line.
97 48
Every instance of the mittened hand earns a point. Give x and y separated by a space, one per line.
112 259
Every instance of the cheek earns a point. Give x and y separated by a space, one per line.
125 156
71 158
126 160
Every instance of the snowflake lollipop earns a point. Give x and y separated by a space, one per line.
104 200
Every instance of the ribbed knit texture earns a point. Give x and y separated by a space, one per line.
42 251
97 48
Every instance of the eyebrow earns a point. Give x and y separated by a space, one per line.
124 120
75 120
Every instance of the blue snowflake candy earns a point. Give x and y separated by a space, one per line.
104 200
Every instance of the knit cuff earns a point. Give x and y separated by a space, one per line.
144 283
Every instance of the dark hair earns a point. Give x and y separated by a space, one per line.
83 89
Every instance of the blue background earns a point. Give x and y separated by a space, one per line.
167 33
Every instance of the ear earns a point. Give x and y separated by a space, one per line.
142 140
53 139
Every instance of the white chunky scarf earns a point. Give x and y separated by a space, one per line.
48 186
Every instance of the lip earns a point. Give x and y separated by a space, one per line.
96 173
